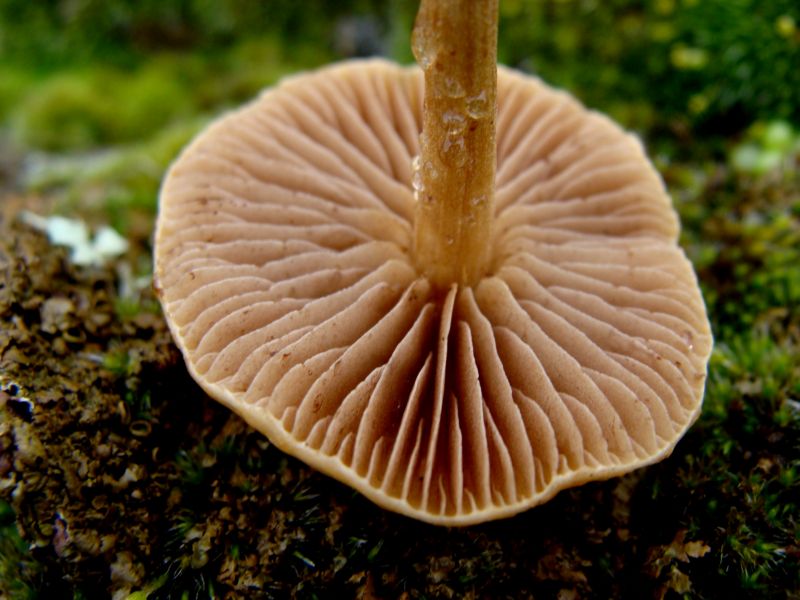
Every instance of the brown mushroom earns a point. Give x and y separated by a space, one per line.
289 265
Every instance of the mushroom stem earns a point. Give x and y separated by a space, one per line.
455 43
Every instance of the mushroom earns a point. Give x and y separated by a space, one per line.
457 338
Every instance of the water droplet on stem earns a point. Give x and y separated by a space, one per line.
477 106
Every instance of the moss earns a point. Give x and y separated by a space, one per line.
734 477
743 233
20 573
87 108
14 81
727 62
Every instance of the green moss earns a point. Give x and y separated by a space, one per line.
766 148
101 105
19 572
743 233
733 480
120 363
65 112
15 80
726 62
88 108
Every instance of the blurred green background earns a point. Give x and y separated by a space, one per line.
89 85
718 62
98 96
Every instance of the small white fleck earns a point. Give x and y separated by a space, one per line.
74 234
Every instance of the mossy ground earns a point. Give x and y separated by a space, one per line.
119 477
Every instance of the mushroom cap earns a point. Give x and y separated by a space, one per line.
283 262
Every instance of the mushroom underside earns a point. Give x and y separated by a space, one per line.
284 262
